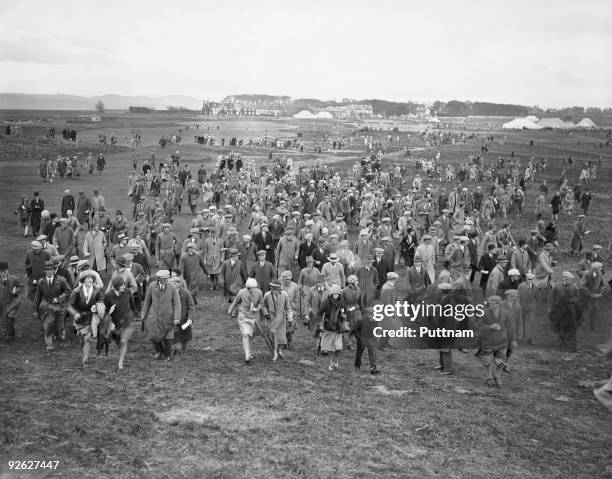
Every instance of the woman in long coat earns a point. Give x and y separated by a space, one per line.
332 315
277 311
212 257
94 248
249 302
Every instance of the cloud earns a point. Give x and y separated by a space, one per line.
30 50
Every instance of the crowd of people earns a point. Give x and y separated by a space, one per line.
276 242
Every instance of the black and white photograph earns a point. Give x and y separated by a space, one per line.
321 240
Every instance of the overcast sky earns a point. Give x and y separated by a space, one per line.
546 52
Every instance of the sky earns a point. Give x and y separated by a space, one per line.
551 53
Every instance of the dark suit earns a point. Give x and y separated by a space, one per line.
473 249
266 244
263 274
234 277
417 283
486 263
320 258
52 314
304 251
368 283
382 267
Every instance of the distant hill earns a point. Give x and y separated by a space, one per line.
26 101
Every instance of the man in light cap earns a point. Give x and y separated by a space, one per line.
52 292
287 252
10 298
212 257
63 239
497 275
67 203
160 312
544 267
190 265
262 271
165 248
248 254
298 309
566 306
277 228
34 267
233 275
334 271
382 267
593 283
528 298
37 205
363 246
182 329
494 335
248 304
513 306
511 282
389 296
427 253
367 276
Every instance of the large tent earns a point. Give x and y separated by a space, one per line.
521 124
304 114
434 120
569 125
532 118
324 115
551 123
586 123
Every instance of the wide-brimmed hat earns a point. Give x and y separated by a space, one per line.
275 286
352 279
262 252
251 283
286 275
36 245
514 272
335 289
596 265
233 252
392 275
87 274
42 238
333 257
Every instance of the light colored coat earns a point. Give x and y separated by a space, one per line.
94 249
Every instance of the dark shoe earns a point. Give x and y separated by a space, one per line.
374 371
358 368
158 356
247 361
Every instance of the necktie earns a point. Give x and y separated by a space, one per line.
50 281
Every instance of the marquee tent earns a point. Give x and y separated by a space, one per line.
324 115
586 123
532 118
521 124
304 114
551 123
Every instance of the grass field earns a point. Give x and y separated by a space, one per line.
207 415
